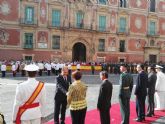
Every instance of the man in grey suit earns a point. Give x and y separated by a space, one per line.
125 90
151 90
104 99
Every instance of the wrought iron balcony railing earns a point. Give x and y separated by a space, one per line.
24 21
28 46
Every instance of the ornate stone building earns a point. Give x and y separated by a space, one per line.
83 30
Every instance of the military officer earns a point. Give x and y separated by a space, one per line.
30 100
125 90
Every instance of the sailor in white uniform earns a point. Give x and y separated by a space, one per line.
26 93
160 89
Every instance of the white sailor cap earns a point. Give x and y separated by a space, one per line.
158 66
31 67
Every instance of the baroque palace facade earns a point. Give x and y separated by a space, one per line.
83 30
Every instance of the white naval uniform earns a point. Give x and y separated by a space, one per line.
41 66
78 66
13 68
160 88
23 93
3 67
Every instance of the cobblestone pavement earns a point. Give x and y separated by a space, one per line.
8 86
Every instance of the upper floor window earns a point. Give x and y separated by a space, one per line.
28 43
123 3
102 23
80 19
56 42
103 2
152 5
101 46
29 15
56 18
152 27
122 46
122 27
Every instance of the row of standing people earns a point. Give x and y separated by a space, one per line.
74 94
55 68
30 98
114 68
146 86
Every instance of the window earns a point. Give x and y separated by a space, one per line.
29 15
152 28
101 45
28 58
123 3
122 24
28 40
56 42
56 18
80 20
152 5
122 46
121 60
102 23
102 2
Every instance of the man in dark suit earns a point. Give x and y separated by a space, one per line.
63 82
151 90
104 99
125 90
141 92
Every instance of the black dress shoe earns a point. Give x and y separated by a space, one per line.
148 115
138 120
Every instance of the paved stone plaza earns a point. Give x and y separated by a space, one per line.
8 86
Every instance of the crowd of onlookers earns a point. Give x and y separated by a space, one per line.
44 66
48 67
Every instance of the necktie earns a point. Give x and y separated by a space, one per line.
65 79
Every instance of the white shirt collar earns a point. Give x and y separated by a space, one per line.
31 79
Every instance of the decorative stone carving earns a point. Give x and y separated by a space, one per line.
42 38
138 23
93 1
43 12
163 26
4 36
5 8
113 20
163 7
113 43
138 45
81 6
138 3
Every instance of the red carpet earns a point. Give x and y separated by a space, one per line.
92 117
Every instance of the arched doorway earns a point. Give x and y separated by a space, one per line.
79 52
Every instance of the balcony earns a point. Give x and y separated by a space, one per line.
122 49
55 25
25 22
152 34
28 46
122 32
81 27
151 47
